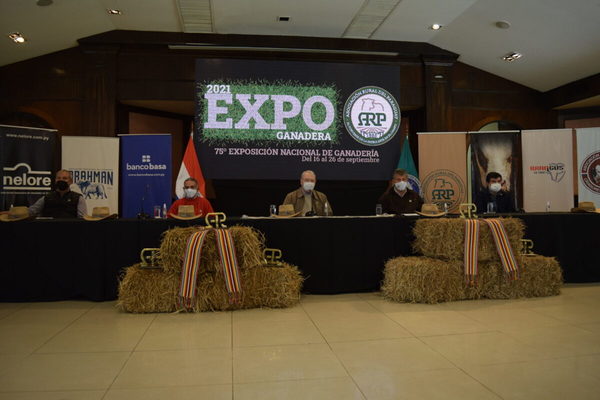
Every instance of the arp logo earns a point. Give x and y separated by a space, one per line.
443 186
443 190
372 116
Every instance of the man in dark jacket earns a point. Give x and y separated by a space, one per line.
494 198
400 198
61 202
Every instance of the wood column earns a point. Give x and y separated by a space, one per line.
437 94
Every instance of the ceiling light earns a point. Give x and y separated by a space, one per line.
435 27
512 56
43 3
283 19
114 11
502 24
17 37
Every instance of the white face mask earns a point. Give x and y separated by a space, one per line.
308 186
190 193
495 187
401 186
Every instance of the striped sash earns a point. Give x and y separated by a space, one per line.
191 266
505 251
231 271
471 250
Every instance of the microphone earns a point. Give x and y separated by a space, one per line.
142 214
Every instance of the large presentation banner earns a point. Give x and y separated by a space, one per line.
588 160
496 152
261 119
145 173
443 168
94 163
547 170
27 160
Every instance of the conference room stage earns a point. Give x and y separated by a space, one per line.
50 260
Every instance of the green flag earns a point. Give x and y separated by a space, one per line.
407 163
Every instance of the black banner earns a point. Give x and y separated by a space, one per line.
27 159
273 119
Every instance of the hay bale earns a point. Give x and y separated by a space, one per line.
428 280
444 238
249 244
263 286
539 276
148 290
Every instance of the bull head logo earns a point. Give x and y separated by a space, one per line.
556 171
217 219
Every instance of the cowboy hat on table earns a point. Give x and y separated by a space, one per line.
99 213
585 206
18 213
286 211
430 210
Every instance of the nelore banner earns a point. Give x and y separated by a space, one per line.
94 163
273 119
27 159
145 173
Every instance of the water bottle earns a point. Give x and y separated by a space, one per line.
446 208
547 206
326 209
272 209
164 210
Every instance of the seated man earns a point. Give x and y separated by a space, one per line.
500 200
191 197
399 198
306 200
61 202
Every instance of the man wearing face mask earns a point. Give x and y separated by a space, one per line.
62 202
399 198
494 198
306 200
191 197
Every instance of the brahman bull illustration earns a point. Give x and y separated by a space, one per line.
89 189
492 153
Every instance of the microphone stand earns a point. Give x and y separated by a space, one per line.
142 214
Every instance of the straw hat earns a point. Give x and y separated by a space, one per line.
18 213
286 211
430 210
99 213
585 206
186 213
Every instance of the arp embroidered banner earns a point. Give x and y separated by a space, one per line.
443 169
547 170
27 161
94 163
262 119
145 173
588 161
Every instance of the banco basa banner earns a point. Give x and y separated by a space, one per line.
443 168
145 173
94 163
273 119
27 160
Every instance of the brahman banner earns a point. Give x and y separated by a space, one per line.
27 160
496 152
547 170
443 168
588 161
145 173
94 163
262 119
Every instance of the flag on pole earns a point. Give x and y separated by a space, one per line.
407 163
190 168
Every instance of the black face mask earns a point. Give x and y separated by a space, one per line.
62 186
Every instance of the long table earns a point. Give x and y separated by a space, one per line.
46 260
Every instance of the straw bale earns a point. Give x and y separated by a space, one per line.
443 238
148 290
428 280
263 286
249 244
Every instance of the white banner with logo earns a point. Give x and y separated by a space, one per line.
547 170
588 162
94 162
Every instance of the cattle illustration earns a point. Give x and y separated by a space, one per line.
370 104
493 153
92 190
